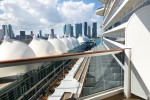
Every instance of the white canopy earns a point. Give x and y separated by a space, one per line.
13 49
42 47
72 42
67 43
83 39
58 44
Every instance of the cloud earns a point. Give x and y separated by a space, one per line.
47 13
74 12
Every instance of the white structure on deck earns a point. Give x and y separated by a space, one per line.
76 41
12 49
83 39
42 47
67 43
58 44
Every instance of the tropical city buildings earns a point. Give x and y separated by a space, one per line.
85 28
81 28
78 29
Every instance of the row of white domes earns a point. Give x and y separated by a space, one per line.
13 49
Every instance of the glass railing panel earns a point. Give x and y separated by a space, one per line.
104 73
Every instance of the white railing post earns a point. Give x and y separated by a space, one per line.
127 74
148 97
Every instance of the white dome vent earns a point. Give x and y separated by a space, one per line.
58 44
67 43
83 39
13 49
42 47
71 42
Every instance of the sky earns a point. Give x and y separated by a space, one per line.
35 15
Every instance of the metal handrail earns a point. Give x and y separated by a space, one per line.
24 61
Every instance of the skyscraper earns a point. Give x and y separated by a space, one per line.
85 28
40 33
64 29
89 31
1 34
78 29
52 33
94 29
22 34
71 31
4 29
10 31
67 29
31 33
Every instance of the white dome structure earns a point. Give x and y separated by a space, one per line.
83 39
86 38
67 43
13 49
76 41
42 47
72 42
58 44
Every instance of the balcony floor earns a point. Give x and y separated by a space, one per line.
121 97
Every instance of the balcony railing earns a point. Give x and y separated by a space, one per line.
127 16
113 12
100 8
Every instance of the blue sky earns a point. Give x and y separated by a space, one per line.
46 14
96 2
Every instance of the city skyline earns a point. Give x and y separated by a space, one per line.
80 29
42 21
75 30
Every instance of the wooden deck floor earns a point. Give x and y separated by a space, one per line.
121 97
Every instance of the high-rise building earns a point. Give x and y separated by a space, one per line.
10 31
67 29
31 33
52 33
89 31
64 29
22 34
4 29
1 34
85 28
78 29
40 33
71 31
94 29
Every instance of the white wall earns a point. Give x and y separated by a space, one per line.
137 89
138 38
